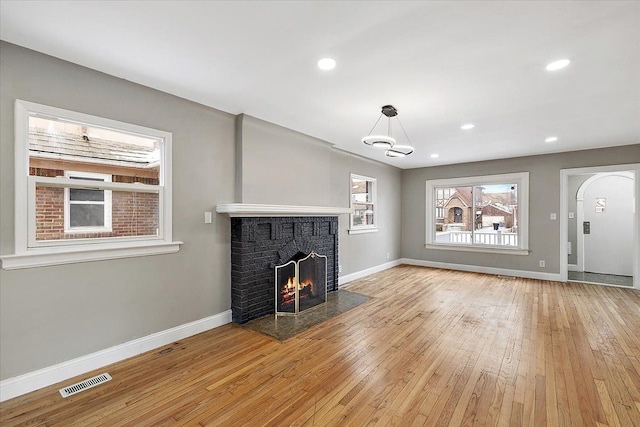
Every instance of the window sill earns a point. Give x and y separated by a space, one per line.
362 230
481 249
43 257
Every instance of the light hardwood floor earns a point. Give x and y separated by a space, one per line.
432 348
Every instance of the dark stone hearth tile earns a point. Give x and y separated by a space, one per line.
284 327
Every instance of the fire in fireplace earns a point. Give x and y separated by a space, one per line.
301 284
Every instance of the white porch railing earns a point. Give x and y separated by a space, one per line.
493 238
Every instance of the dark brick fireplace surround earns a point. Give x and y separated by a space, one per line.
259 244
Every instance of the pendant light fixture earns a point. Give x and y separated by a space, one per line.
388 142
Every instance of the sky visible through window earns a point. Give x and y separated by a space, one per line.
497 188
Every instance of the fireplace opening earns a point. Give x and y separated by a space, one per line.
301 283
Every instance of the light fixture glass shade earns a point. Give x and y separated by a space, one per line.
391 153
399 150
379 141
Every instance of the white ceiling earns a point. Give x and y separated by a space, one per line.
441 64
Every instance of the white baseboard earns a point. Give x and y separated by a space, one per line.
573 267
362 273
35 380
481 269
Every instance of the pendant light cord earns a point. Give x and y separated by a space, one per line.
374 126
404 131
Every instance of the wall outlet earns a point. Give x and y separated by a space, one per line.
339 268
571 215
542 263
388 255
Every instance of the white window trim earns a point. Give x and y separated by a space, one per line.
107 228
520 178
81 251
369 228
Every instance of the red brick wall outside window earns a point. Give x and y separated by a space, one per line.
133 213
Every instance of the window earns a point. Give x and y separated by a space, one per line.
363 202
88 188
87 210
485 214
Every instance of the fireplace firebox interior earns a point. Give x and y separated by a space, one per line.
301 284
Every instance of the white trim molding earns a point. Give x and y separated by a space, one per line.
342 280
35 380
484 249
482 269
256 210
42 257
362 230
573 267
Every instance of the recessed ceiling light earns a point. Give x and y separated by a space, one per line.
467 126
327 64
551 139
558 65
435 156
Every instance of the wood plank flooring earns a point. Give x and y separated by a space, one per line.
432 348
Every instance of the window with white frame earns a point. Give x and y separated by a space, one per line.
484 213
87 210
88 188
363 202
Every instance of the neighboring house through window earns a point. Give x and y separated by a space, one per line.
363 202
485 213
88 188
442 195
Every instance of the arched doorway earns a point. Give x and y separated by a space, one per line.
605 224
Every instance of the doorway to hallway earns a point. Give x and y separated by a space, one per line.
599 225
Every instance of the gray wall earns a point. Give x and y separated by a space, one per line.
281 166
52 314
544 198
285 167
575 181
361 251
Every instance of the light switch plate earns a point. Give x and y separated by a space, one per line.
207 217
571 215
552 216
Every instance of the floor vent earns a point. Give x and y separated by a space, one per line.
84 385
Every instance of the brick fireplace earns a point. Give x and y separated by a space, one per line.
259 243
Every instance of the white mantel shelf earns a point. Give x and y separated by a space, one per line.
253 210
